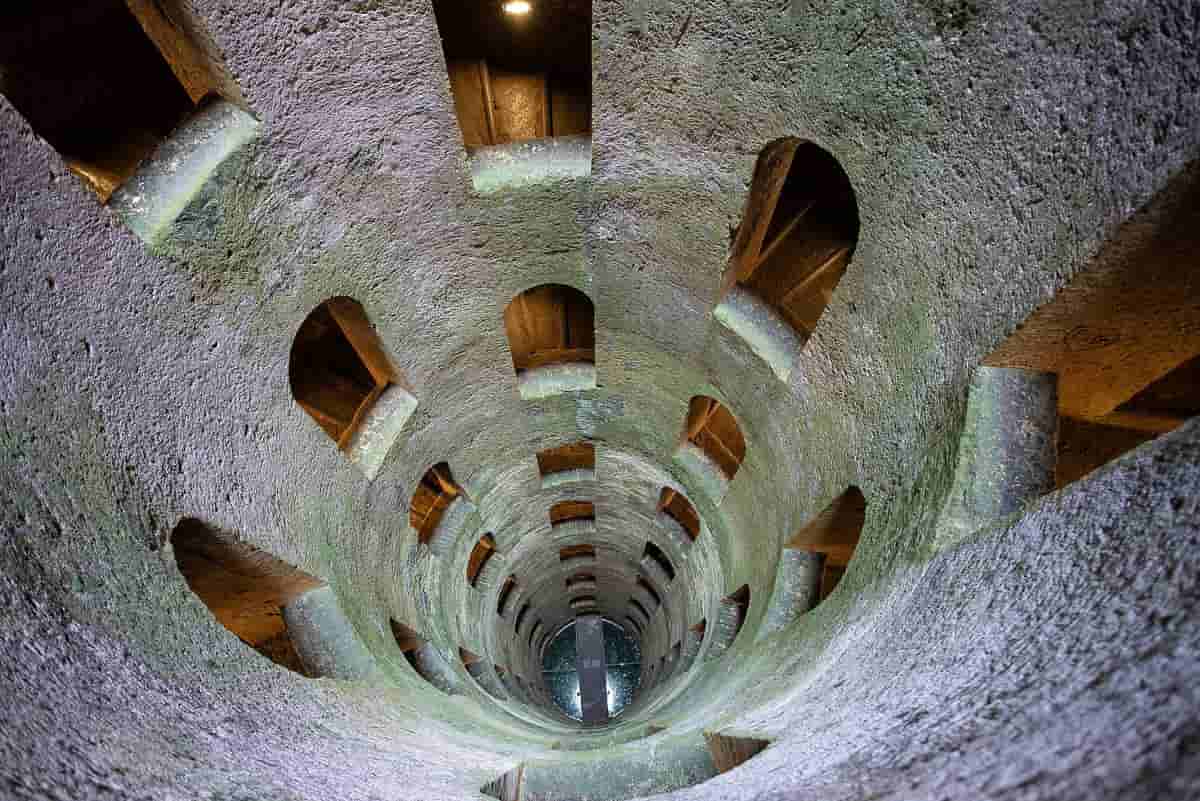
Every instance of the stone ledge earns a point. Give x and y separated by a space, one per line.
529 163
762 328
555 379
172 177
380 430
564 477
707 473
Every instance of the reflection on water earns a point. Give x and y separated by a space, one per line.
622 655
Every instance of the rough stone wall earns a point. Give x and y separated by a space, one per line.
992 150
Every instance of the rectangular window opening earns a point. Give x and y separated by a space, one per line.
712 428
578 578
573 456
244 587
658 557
519 77
581 551
432 497
1123 336
729 752
480 554
834 533
506 591
679 508
566 511
105 82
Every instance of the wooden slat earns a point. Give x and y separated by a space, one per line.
783 235
357 329
770 174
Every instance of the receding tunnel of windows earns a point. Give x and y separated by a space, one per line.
1123 337
338 368
607 683
551 334
521 614
518 76
712 428
798 233
245 588
105 82
430 501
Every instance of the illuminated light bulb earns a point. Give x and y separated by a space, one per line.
517 8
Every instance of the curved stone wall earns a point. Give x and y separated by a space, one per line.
1043 653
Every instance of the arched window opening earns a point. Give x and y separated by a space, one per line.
796 239
635 624
422 656
245 588
567 511
651 593
506 593
339 371
516 79
551 333
657 563
1123 337
107 83
481 554
524 610
713 447
583 552
676 506
730 618
574 461
833 537
433 496
579 581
